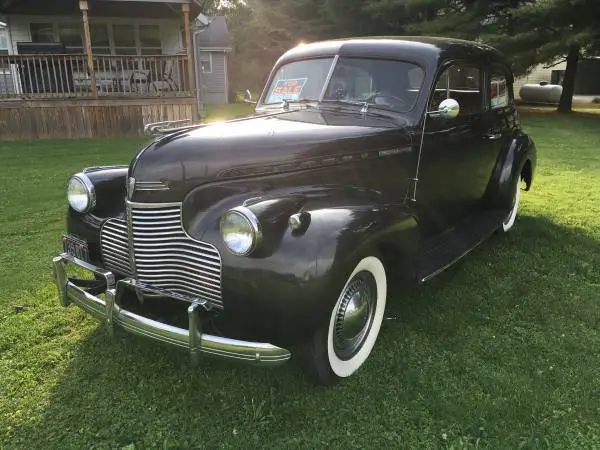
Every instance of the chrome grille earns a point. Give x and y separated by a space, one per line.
164 255
115 246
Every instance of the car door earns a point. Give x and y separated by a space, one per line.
451 177
501 113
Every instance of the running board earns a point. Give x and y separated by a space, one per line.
442 251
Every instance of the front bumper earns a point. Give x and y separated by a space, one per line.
191 339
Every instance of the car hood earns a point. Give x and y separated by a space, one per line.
259 144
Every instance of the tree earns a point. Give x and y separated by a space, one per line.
528 32
560 29
259 36
490 22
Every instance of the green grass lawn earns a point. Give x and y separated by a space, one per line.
500 351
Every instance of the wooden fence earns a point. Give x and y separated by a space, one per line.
88 118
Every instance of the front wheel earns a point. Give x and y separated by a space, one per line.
510 219
339 348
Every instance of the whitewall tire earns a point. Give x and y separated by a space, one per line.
510 219
341 347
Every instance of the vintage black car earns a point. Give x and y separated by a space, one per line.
366 160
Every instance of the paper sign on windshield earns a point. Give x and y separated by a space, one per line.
287 90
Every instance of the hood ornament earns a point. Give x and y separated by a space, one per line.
160 128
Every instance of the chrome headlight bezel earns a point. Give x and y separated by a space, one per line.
253 227
89 189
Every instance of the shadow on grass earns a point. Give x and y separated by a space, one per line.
459 362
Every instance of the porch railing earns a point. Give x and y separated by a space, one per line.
67 76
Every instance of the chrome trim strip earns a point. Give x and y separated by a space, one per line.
153 205
156 242
151 186
151 226
143 214
177 280
153 221
192 339
151 268
137 232
149 251
206 277
329 77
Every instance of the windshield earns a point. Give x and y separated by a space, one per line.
386 84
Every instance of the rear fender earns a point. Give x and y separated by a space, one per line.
519 157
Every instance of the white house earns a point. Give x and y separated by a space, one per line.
83 68
131 41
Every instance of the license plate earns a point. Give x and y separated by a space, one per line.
76 247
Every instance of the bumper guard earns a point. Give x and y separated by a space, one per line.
191 339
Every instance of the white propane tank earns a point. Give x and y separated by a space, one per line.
541 93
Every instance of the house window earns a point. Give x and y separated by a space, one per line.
205 62
100 40
42 33
124 36
150 41
106 39
3 38
70 36
4 66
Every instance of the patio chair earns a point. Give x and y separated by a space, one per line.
160 77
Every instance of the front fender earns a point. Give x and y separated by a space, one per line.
390 232
286 289
110 186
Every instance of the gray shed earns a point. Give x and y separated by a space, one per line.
212 45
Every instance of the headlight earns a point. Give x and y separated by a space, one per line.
81 193
240 231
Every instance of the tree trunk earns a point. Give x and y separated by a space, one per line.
566 99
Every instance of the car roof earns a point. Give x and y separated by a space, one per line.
420 49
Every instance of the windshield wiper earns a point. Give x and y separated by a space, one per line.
302 101
365 107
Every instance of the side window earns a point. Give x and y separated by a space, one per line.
463 84
499 91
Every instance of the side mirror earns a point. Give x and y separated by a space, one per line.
248 97
448 109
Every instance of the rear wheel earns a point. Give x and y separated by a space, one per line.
340 347
510 219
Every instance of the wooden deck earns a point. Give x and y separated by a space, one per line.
87 118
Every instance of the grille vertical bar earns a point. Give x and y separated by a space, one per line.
164 255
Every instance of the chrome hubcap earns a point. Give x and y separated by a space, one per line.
354 316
